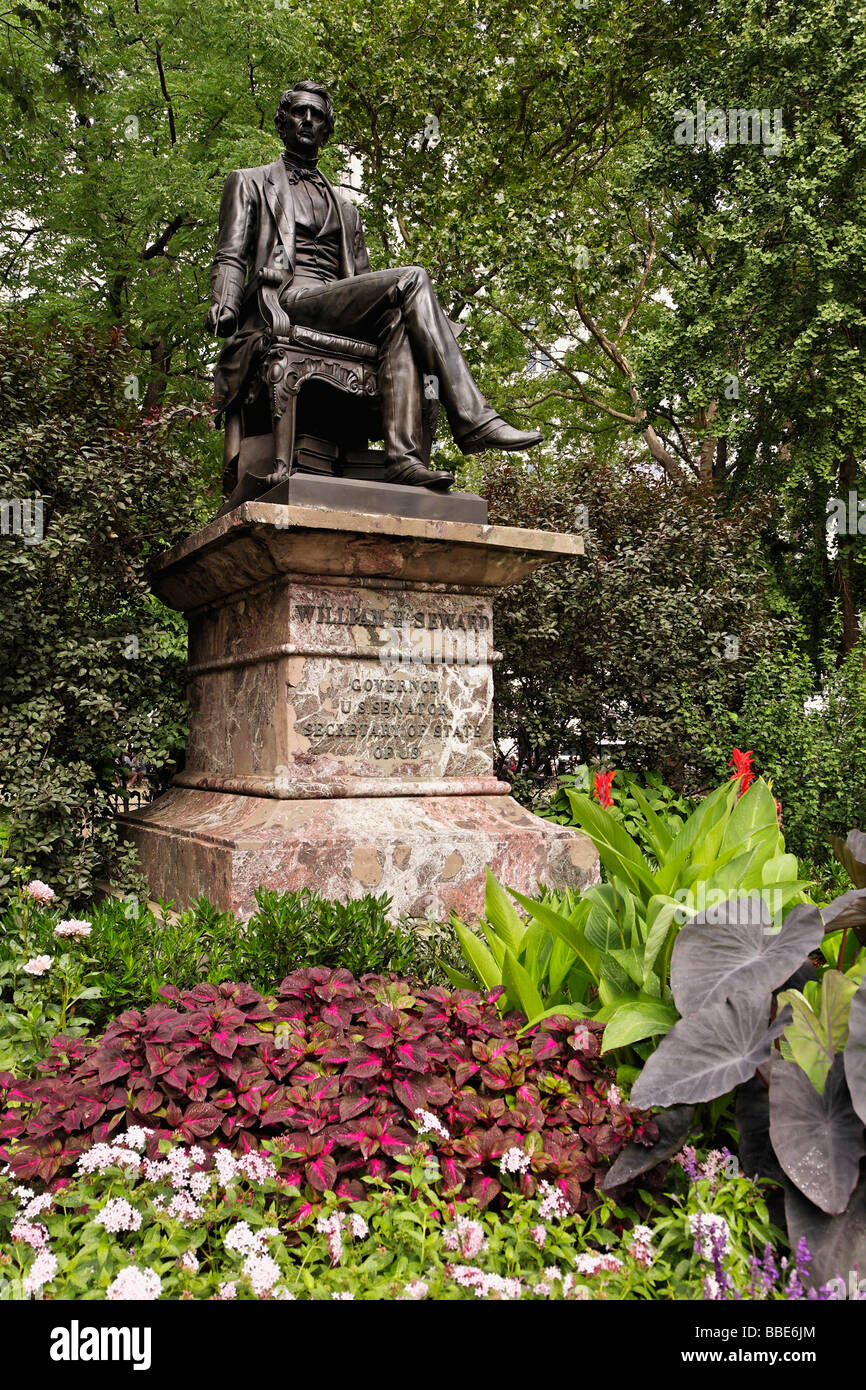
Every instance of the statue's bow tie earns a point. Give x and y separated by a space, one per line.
296 173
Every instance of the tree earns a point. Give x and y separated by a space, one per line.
91 666
636 646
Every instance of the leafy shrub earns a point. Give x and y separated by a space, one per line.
671 807
132 953
807 739
91 665
604 650
184 1226
288 931
336 1069
606 954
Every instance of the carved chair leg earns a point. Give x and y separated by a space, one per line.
284 441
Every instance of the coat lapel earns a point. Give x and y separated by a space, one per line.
278 192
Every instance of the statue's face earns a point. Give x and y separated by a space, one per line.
305 127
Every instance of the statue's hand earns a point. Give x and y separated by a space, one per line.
220 321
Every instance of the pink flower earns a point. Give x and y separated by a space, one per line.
640 1245
40 892
590 1263
42 1271
466 1236
257 1167
262 1272
183 1209
134 1284
416 1289
30 1233
539 1235
72 927
37 1205
554 1204
38 965
118 1215
330 1226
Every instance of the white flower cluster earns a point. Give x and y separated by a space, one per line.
134 1285
554 1204
465 1236
514 1160
428 1123
333 1226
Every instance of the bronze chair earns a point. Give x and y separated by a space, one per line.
262 430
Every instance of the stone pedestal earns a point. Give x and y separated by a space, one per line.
341 690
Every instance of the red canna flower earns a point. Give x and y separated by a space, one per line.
602 781
742 765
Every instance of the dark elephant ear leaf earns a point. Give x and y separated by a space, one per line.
849 912
851 854
837 1244
818 1139
855 1051
755 1152
709 1053
730 949
635 1159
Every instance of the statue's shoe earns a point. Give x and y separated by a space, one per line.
498 434
416 475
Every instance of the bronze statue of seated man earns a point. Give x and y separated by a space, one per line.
287 217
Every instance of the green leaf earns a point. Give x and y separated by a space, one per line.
707 820
458 980
617 851
501 915
636 1020
660 914
657 832
520 986
815 1037
632 963
566 929
478 956
753 820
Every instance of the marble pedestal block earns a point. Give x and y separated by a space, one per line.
341 691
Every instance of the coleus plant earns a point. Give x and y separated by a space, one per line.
607 955
759 1016
335 1070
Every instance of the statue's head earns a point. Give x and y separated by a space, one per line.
305 118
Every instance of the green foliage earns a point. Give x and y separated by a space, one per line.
613 649
607 954
670 806
288 931
36 1007
807 740
765 257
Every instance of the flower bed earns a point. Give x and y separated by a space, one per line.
335 1070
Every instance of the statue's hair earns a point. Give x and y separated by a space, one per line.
286 101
